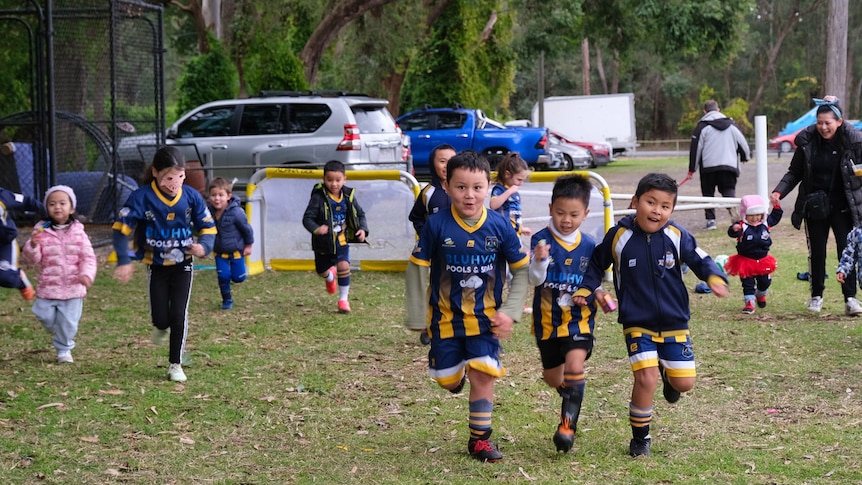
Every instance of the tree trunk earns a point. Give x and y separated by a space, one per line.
195 9
585 55
836 49
600 68
339 16
211 12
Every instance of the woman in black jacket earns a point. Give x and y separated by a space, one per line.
830 194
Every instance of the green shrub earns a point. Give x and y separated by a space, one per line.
206 77
275 66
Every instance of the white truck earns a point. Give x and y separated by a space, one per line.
603 117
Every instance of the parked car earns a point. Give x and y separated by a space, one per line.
785 143
570 157
294 129
465 128
602 152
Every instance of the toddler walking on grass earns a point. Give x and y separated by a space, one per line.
67 267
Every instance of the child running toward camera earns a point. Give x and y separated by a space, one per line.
512 171
233 240
334 218
467 248
647 251
164 217
67 267
563 331
752 261
11 276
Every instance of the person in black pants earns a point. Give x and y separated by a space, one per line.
830 194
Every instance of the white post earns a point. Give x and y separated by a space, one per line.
760 142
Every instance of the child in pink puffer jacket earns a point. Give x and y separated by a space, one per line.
67 267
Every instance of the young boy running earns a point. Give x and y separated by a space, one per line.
467 248
563 331
647 251
334 218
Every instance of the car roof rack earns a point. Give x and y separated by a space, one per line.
326 93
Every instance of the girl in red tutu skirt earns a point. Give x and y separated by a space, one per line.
752 261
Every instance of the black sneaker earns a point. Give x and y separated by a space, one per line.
564 437
639 447
460 385
670 394
424 338
484 450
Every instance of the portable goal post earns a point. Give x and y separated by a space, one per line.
276 201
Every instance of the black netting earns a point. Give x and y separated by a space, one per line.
86 103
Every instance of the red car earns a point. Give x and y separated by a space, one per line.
784 143
602 152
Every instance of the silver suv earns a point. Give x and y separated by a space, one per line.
290 129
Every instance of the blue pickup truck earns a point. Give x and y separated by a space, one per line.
470 129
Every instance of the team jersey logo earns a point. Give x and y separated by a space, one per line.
171 216
471 282
565 300
471 243
448 242
492 244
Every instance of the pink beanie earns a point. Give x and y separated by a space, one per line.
66 190
752 204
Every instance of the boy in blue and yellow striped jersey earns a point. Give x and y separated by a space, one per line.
164 216
563 331
467 248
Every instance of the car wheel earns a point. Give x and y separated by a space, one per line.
786 147
593 163
568 164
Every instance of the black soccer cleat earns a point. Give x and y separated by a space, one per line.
638 447
564 437
670 394
484 450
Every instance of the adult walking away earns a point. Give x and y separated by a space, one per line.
830 195
717 145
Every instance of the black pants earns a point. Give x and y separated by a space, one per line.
816 234
170 288
723 180
753 284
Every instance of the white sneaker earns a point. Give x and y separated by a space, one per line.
65 356
710 225
852 307
176 374
816 303
161 337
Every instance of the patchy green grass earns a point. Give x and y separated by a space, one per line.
282 389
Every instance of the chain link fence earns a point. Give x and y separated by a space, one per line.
87 90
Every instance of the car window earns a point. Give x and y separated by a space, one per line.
213 121
450 121
415 122
261 119
307 117
374 120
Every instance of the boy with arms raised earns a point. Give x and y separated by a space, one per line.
563 331
647 251
467 248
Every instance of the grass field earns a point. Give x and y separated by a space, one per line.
282 389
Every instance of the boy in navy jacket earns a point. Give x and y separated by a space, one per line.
647 251
233 240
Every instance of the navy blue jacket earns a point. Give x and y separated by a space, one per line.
11 201
648 275
319 213
753 242
431 199
234 231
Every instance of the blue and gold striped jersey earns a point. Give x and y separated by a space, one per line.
338 209
511 208
468 270
554 314
164 228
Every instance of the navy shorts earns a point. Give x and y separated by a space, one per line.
448 357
